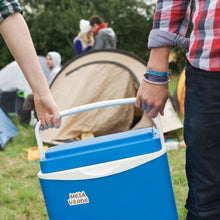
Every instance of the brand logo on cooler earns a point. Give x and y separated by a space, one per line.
78 198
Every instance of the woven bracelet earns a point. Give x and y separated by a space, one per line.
156 73
156 80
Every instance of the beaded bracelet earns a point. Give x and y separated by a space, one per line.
156 73
156 80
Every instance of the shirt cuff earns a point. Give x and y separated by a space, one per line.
160 38
8 7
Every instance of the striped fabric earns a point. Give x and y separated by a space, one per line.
8 7
170 25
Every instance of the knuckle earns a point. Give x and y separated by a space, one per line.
158 104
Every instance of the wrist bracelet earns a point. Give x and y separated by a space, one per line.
156 73
156 80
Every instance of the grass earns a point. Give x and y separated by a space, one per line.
173 83
177 170
20 192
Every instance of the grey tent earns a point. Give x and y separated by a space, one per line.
11 77
12 81
95 76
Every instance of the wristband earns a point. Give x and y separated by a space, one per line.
156 80
156 73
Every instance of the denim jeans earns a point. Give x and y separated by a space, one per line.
202 137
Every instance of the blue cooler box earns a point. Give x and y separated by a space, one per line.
123 176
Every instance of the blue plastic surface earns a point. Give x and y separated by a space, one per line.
101 149
144 192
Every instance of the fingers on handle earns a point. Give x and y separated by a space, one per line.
157 108
151 108
56 120
50 121
43 125
138 102
162 109
153 112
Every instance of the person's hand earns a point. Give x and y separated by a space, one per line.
152 98
47 111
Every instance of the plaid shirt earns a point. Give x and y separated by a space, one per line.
8 7
170 25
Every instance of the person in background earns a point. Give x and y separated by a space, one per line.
84 40
15 32
202 98
53 60
105 37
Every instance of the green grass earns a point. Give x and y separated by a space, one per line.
20 191
177 170
173 83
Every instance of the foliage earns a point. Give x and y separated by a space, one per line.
5 55
179 61
54 24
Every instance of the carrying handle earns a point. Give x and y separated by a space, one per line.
87 107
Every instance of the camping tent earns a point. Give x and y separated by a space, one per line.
7 129
11 77
95 76
12 80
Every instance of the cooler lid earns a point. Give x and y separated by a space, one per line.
101 149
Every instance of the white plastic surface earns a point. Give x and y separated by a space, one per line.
102 169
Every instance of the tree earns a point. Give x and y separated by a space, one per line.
5 55
54 24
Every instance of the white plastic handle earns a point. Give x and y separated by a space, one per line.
87 107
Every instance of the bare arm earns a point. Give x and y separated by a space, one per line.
168 31
150 94
16 34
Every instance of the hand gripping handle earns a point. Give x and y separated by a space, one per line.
87 107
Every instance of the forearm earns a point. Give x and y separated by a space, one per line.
15 32
170 24
158 60
152 97
78 47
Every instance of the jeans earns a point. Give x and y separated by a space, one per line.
202 137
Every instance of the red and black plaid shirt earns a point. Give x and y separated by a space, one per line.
170 25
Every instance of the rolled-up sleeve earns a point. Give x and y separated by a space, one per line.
170 24
8 7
